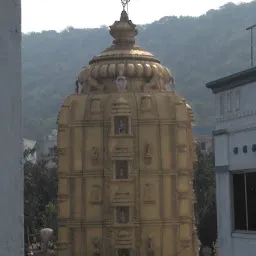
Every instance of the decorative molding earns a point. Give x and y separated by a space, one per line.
229 82
220 132
145 103
237 115
96 194
95 155
96 246
149 194
95 105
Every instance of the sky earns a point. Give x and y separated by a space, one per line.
38 15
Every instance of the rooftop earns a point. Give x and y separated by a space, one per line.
232 81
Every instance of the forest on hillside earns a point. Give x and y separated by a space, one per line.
196 49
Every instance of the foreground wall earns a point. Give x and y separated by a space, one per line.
11 182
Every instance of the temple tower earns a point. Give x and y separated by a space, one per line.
125 157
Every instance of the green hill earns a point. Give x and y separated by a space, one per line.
197 50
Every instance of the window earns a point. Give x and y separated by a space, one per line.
229 102
222 104
237 100
122 214
53 151
123 252
203 146
121 169
244 194
121 125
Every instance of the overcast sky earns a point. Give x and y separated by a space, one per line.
38 15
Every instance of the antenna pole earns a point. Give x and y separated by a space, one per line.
252 50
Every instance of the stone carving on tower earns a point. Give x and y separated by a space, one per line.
126 167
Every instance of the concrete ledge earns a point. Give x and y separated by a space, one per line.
221 169
220 132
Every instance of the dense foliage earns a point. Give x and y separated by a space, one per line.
205 211
196 49
40 198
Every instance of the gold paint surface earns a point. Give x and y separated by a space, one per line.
100 205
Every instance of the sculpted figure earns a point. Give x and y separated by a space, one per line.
95 153
96 246
121 129
94 84
148 150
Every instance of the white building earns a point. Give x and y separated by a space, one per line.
235 162
49 149
205 142
30 145
11 181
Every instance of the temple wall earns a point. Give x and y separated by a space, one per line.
158 190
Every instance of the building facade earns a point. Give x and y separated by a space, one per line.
235 162
11 182
48 151
125 157
205 142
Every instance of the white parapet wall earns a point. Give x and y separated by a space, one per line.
11 181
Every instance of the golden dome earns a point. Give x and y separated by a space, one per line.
141 69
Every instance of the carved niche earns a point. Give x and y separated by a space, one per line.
121 83
95 106
123 252
148 154
150 246
96 246
121 124
148 151
122 214
149 193
121 170
95 155
96 197
145 103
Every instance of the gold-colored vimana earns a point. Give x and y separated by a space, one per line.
125 157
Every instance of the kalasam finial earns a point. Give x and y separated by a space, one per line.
125 4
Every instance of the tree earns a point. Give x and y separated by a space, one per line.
40 196
205 209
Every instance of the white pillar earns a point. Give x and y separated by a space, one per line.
11 171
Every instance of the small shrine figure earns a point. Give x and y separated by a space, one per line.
148 193
95 153
150 247
148 151
122 215
145 102
121 172
121 125
121 169
121 129
121 83
96 246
